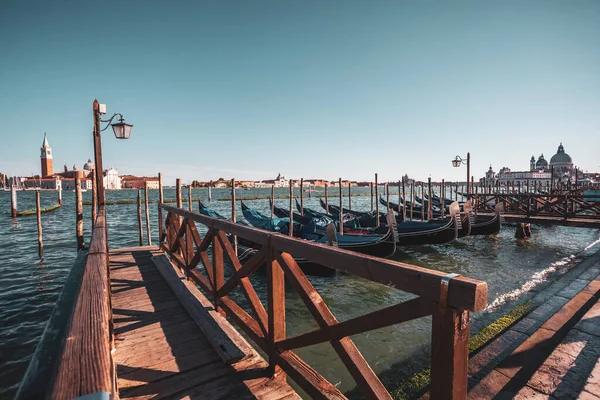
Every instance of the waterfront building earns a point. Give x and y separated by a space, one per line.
112 181
46 157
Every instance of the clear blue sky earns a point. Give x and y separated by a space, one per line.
248 89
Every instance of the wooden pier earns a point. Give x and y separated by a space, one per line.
154 322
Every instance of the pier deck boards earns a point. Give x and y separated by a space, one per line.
161 352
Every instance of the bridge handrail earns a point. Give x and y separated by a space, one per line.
448 299
85 364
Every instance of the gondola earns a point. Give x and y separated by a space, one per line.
373 245
366 219
488 225
417 208
246 249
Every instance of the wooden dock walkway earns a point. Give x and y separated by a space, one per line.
160 351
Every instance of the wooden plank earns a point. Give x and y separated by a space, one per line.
85 363
276 302
230 346
409 310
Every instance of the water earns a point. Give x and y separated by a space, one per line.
29 287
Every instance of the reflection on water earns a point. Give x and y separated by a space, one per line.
30 288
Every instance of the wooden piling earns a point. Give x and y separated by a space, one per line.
387 196
371 196
349 196
210 191
139 212
403 199
301 196
341 224
59 190
376 202
291 225
429 200
272 200
326 198
178 193
160 201
38 212
148 234
443 198
309 194
190 198
234 213
456 192
422 202
78 214
412 198
13 201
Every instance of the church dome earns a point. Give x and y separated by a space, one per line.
541 163
89 165
561 156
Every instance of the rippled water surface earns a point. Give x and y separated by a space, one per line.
29 287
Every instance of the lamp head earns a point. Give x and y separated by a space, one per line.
122 130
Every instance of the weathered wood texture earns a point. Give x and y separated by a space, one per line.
85 365
78 215
266 327
169 344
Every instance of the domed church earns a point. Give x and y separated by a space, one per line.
561 162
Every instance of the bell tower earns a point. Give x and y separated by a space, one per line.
46 158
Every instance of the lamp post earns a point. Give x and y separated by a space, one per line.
121 129
457 161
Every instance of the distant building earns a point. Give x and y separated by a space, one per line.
46 157
138 182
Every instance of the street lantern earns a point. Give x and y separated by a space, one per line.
122 130
456 162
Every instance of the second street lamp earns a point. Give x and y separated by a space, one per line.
457 161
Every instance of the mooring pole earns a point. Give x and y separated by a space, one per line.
376 202
403 200
139 212
210 191
190 198
341 228
60 192
422 201
412 198
349 197
38 212
148 213
371 196
429 200
291 225
387 196
13 200
326 198
272 200
233 213
78 214
160 201
301 197
443 198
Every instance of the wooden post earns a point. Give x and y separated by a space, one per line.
551 178
422 202
341 225
349 196
309 195
13 200
78 214
160 201
272 200
403 199
371 196
276 314
139 212
456 192
387 196
469 189
472 184
326 199
178 193
210 191
190 198
94 199
233 213
38 212
412 198
443 196
148 234
429 200
291 226
301 197
376 202
60 191
449 353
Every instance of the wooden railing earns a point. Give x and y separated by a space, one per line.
562 205
448 298
85 364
